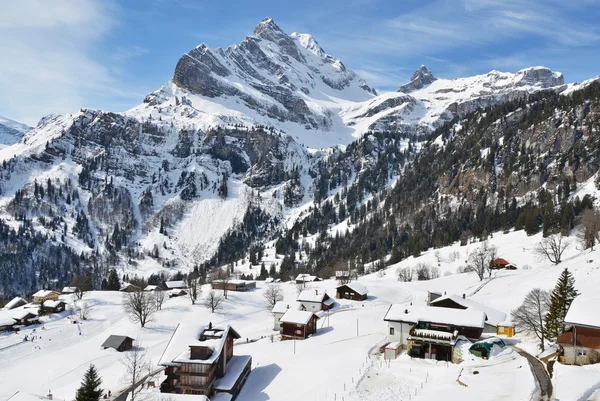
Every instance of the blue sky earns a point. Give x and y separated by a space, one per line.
61 55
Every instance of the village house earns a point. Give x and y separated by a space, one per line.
26 317
314 301
279 310
128 287
298 324
69 290
44 295
354 291
432 296
176 285
500 263
234 285
199 360
15 303
150 288
584 335
431 333
492 316
306 278
177 293
119 343
51 306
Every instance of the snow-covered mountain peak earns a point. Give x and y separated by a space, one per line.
421 78
309 43
11 131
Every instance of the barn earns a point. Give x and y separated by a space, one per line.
298 324
354 291
120 343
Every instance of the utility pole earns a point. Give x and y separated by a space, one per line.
356 327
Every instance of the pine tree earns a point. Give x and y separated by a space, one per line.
563 294
113 281
90 386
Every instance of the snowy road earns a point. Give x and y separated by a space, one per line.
540 373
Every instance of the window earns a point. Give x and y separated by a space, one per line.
391 331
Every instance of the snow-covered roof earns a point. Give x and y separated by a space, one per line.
52 304
150 288
177 291
311 296
458 317
176 284
6 318
22 313
493 316
188 334
357 287
124 286
329 301
44 293
306 277
283 306
15 302
114 341
233 370
506 323
584 311
296 316
69 290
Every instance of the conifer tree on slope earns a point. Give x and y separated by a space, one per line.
90 386
113 281
560 300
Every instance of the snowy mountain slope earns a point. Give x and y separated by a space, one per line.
11 131
427 102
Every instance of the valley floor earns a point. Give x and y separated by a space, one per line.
341 362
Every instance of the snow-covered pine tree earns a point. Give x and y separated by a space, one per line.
113 281
560 300
90 386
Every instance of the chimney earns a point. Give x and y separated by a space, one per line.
49 396
406 311
316 292
464 296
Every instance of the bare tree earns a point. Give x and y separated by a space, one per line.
531 314
454 256
423 271
213 301
438 257
194 288
405 274
480 260
223 277
139 306
301 287
81 308
137 368
552 248
434 272
590 220
159 297
82 283
272 295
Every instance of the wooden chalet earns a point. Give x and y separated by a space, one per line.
178 292
199 360
584 334
119 343
175 285
54 306
69 290
354 291
315 301
26 317
45 295
234 285
500 263
432 296
128 287
152 288
15 303
306 278
298 324
430 332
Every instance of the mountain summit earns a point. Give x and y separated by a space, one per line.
422 77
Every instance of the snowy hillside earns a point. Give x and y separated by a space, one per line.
11 131
341 360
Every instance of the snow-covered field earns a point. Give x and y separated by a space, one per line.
341 361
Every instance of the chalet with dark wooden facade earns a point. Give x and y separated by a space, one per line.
199 360
54 306
584 334
26 317
15 303
354 291
298 324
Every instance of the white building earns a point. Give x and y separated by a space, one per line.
315 301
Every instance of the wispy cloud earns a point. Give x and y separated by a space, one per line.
48 63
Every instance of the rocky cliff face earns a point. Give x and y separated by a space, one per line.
11 131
